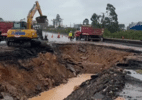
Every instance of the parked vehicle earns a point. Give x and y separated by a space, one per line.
89 33
4 27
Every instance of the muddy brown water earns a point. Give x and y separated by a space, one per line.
62 91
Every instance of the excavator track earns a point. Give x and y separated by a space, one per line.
26 44
14 44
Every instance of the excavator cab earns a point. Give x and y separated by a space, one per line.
19 25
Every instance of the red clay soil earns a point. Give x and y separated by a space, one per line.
25 78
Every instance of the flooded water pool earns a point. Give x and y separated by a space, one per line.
135 74
62 91
133 88
131 92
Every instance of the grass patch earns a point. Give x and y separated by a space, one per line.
139 71
129 34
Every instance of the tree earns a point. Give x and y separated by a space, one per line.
103 21
58 20
54 22
112 20
121 26
95 20
86 22
99 21
1 19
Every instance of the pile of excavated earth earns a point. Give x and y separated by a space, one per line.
26 72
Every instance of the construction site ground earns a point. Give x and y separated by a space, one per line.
26 72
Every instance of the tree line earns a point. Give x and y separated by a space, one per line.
108 20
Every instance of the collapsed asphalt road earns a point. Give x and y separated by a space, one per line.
108 85
27 72
114 82
24 73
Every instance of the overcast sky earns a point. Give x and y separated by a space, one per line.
72 11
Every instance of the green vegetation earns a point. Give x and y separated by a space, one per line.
112 28
139 71
110 22
86 22
61 30
130 34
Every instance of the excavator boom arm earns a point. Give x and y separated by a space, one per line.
32 13
38 6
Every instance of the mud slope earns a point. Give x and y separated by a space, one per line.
24 73
89 58
107 85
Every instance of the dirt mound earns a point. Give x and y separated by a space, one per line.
25 73
103 86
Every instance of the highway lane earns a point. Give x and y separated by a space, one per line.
52 37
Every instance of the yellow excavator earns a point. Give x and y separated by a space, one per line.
22 34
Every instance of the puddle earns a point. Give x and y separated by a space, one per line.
135 74
132 90
2 42
62 91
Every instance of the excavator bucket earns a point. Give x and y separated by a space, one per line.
41 19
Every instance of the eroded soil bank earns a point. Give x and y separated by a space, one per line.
24 73
108 84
